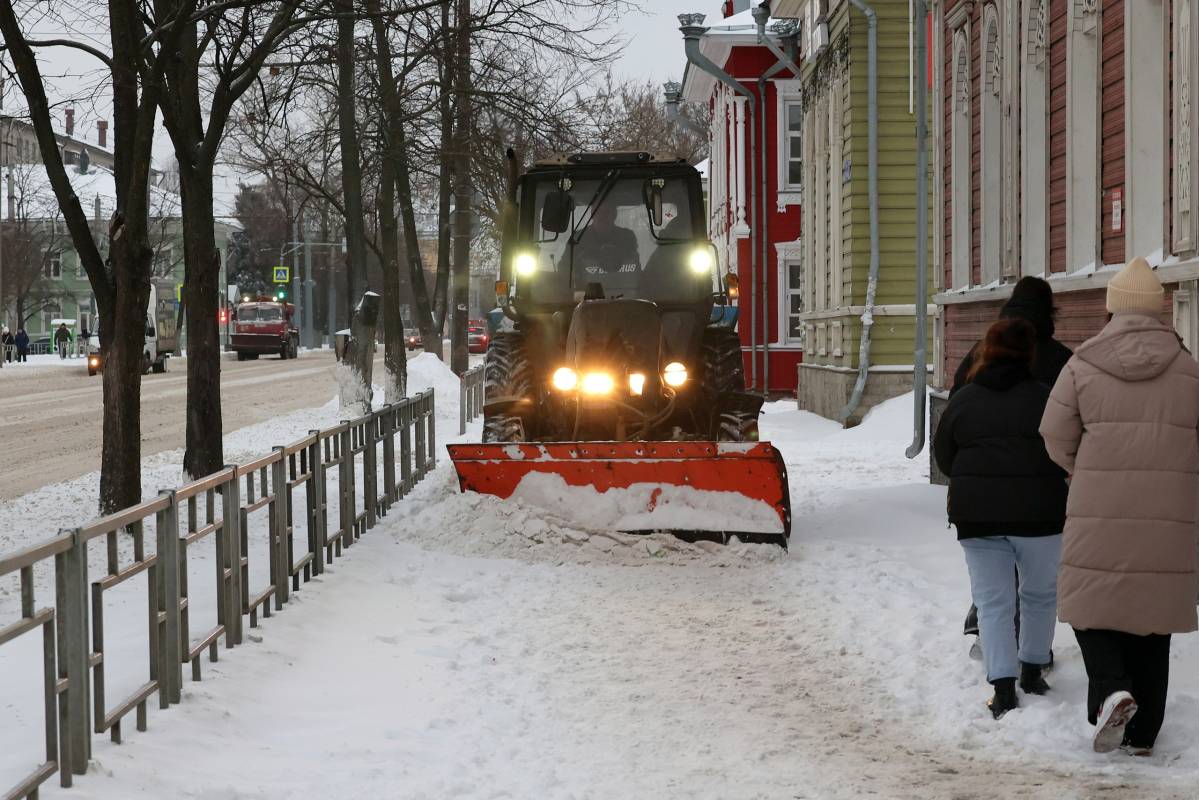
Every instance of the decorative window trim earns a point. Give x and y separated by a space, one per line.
1034 144
990 131
1146 153
961 230
835 335
1185 124
1086 16
1083 180
1036 33
788 254
787 93
960 15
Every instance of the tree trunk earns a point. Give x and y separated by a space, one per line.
351 182
444 181
395 357
123 340
205 452
459 353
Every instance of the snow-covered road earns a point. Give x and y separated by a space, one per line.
471 648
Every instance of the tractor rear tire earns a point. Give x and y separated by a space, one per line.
509 375
724 371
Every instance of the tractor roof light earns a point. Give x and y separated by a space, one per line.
675 374
565 379
598 383
700 261
525 264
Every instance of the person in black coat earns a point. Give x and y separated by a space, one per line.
1032 301
1008 502
22 341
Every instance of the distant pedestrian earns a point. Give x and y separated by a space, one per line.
1008 502
22 342
1031 300
8 343
62 340
1123 419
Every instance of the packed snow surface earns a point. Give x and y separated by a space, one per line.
469 647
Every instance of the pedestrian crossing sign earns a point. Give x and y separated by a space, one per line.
282 275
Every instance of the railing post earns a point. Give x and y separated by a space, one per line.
279 531
419 435
432 432
345 485
170 661
231 516
73 609
370 464
316 504
389 454
405 447
464 393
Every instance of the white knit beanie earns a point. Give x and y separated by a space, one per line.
1135 288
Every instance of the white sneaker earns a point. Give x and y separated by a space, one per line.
976 650
1115 713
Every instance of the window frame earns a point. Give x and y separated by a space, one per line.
787 94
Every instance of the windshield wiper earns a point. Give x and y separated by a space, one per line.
597 199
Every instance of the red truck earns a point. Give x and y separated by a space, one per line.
265 327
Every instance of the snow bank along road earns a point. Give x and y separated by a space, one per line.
50 416
473 648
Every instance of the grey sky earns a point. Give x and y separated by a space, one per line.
655 48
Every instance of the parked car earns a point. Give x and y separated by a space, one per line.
412 338
477 338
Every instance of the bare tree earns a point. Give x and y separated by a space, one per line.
120 283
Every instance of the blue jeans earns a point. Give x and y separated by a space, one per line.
991 561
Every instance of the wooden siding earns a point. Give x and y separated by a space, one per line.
1111 134
1059 24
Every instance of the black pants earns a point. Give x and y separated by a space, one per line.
1140 665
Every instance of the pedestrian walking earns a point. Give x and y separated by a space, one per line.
1123 419
1008 502
62 340
8 344
22 342
1031 300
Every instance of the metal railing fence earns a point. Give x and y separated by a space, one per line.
471 400
290 484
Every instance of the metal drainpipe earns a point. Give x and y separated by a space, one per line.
692 29
872 152
920 365
761 14
672 91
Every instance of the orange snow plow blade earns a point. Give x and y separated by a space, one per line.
728 487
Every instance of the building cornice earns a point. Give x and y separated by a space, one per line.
1176 272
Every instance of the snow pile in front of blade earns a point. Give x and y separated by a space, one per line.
437 516
649 506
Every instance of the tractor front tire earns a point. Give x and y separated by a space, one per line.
509 376
724 372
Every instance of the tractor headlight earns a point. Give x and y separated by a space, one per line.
636 383
701 260
525 264
675 374
565 379
598 383
94 361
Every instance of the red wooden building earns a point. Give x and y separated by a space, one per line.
1065 131
754 217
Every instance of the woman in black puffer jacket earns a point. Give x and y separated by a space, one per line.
1008 502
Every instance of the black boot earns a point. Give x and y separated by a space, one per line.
1031 681
1005 697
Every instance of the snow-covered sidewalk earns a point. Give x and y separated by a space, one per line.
473 648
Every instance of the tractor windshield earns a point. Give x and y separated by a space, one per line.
613 240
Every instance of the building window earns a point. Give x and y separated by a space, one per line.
794 146
1082 122
49 314
1034 151
793 277
53 267
960 190
1145 154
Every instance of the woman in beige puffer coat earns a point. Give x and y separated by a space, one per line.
1123 419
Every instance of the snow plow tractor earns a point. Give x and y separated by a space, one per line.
618 380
